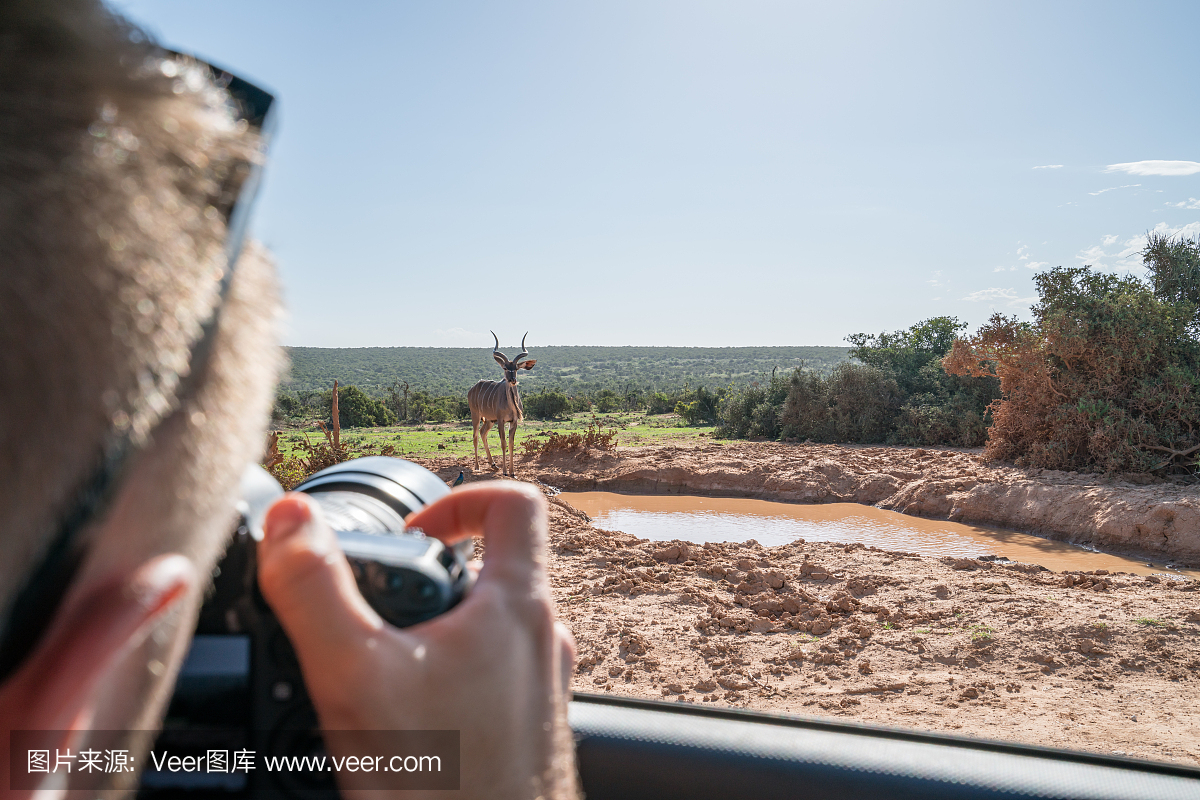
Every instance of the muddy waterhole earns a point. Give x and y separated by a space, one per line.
736 519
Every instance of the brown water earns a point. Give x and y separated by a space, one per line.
736 519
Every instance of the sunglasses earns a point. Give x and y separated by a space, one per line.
41 596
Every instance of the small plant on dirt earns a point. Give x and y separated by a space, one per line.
594 438
889 626
1103 626
1151 621
981 633
923 630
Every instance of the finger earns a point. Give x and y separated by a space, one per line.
58 679
511 517
566 654
307 581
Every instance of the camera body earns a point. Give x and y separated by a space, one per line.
240 687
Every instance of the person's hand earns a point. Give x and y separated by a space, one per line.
496 667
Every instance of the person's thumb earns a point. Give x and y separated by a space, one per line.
305 578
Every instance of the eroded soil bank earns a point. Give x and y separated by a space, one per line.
1136 515
995 650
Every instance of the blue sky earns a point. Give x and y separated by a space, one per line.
694 173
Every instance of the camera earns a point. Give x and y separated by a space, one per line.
240 687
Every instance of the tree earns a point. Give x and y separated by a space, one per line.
358 410
1174 266
906 353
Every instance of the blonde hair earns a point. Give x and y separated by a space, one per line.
115 161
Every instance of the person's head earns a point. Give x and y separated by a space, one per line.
112 163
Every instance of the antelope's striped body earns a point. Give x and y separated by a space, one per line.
499 402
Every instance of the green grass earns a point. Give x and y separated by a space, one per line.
1158 623
634 428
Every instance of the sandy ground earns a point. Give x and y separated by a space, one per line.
1103 662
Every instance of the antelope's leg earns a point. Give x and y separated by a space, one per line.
475 436
487 426
503 451
512 448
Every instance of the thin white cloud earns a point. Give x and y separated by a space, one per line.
1111 188
1110 239
1050 166
1037 264
994 295
1191 203
1168 168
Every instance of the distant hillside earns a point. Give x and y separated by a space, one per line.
453 370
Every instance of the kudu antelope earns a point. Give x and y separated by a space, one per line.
499 402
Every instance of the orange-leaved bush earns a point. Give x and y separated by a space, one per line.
1103 378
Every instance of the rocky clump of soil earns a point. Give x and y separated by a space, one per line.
1136 515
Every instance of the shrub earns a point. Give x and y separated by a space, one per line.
580 403
1103 379
698 407
755 411
423 407
864 401
287 406
594 438
549 404
897 393
607 401
358 410
660 403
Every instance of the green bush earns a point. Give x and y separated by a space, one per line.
424 407
550 404
897 393
358 410
607 401
864 402
756 411
660 403
698 407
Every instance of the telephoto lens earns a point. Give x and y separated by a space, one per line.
405 575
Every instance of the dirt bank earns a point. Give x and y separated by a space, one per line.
997 650
1136 515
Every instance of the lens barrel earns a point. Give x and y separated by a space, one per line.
404 575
